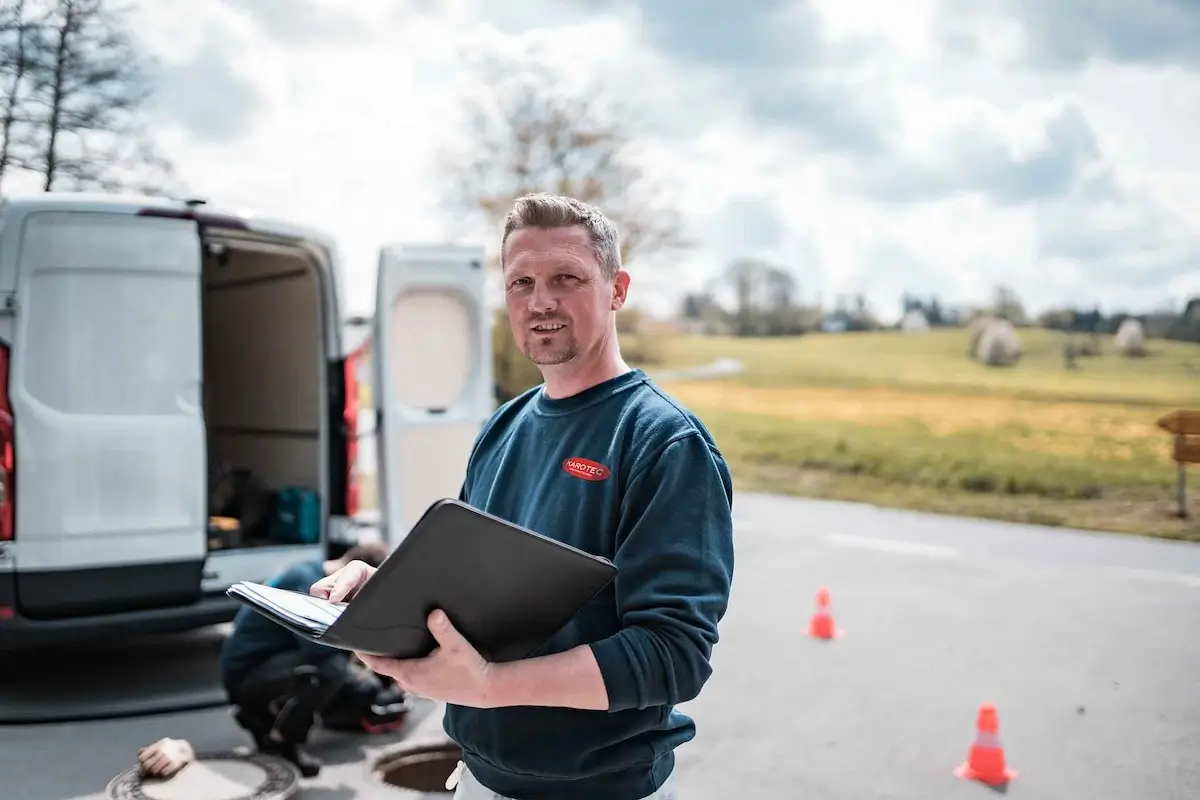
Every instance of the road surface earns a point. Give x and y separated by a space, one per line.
1088 644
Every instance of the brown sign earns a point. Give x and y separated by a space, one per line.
1187 449
1185 422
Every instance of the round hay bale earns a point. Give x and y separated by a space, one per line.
1131 339
998 345
974 331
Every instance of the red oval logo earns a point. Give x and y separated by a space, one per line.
585 468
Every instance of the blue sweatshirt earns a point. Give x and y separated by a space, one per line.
255 638
622 471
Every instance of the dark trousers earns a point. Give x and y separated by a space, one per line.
281 697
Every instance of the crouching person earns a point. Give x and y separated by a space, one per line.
279 682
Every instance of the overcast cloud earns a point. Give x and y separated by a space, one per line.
941 147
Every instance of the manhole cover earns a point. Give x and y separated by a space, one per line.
420 768
213 776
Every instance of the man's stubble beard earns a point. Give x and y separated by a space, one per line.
550 358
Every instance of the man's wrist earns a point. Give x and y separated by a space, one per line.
492 686
569 679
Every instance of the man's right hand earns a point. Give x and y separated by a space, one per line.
342 585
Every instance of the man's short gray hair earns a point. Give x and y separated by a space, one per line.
542 210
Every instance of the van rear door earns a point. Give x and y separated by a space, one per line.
105 393
432 384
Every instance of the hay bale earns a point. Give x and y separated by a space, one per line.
1131 339
998 345
974 331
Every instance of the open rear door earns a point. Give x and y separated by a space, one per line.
432 382
105 391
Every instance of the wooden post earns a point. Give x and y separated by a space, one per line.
1185 425
1183 510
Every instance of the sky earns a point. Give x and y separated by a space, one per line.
869 146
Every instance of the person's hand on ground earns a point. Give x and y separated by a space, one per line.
166 757
342 585
453 673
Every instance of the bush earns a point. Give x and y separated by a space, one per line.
514 373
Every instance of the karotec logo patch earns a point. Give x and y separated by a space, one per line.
585 468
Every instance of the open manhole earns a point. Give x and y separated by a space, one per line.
421 769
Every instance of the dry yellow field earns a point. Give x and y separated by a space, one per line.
911 422
1070 429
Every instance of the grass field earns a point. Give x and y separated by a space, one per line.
907 420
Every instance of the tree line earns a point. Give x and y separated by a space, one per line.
73 90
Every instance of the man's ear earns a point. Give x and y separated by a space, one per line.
620 290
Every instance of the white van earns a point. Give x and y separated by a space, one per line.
162 362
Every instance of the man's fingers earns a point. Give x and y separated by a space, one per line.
443 630
342 584
348 580
335 587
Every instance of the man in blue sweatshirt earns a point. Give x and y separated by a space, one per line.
601 458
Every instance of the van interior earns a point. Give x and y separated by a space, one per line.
265 369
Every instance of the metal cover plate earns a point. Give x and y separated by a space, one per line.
213 776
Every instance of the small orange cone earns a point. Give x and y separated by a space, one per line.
821 626
985 762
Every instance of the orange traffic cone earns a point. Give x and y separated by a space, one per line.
821 626
985 762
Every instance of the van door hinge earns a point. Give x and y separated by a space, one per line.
9 305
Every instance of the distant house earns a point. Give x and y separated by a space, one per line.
837 322
914 321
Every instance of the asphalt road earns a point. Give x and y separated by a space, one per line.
1088 644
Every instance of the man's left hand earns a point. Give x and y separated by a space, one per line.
453 673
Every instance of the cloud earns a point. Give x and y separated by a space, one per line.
299 21
716 34
975 158
931 146
1069 34
1122 237
205 95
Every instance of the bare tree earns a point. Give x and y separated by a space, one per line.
527 133
19 45
87 90
1006 305
765 297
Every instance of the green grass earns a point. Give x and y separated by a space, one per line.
910 421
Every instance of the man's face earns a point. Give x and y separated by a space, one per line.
559 303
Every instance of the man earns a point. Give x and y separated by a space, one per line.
279 681
602 459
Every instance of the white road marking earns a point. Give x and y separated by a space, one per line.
892 545
1157 576
743 524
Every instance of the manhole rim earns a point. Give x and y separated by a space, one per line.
282 779
392 757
